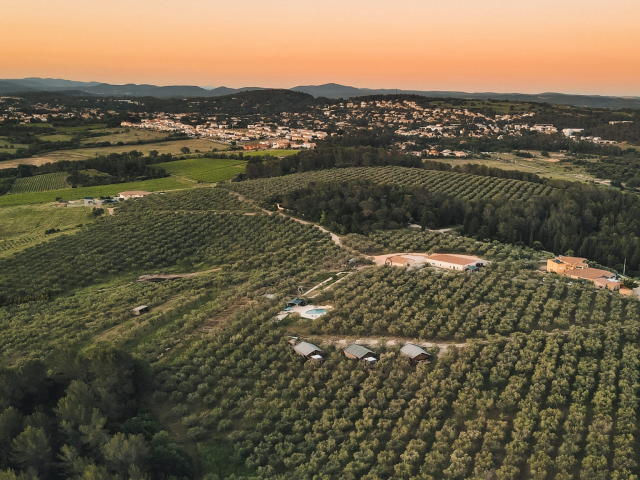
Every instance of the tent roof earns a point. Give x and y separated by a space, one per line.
412 350
358 350
306 348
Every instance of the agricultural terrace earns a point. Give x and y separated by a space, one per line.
532 406
154 185
41 183
455 184
209 170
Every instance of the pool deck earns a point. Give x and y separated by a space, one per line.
302 311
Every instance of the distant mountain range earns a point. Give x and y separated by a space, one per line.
329 90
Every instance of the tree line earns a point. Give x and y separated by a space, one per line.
112 168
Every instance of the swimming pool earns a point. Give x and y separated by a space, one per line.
316 311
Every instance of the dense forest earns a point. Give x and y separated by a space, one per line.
362 206
84 416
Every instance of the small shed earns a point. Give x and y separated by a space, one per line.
307 350
358 352
415 353
317 359
296 302
140 310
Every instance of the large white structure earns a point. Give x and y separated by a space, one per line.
132 194
456 262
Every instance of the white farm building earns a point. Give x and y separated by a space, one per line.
456 262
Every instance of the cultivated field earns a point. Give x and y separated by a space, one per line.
204 169
155 185
40 183
172 147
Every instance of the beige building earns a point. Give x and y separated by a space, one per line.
577 268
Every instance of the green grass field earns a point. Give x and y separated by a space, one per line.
116 135
41 183
82 128
24 226
5 143
273 153
156 185
204 169
58 137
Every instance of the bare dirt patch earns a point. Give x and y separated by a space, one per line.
162 278
220 318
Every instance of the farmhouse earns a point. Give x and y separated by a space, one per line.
308 351
140 310
132 194
415 353
358 352
578 269
456 262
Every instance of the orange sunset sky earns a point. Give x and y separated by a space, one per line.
529 46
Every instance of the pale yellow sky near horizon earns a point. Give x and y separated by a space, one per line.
504 46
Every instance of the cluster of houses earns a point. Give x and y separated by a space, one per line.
359 353
578 269
272 136
571 133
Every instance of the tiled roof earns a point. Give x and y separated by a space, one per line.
590 273
573 260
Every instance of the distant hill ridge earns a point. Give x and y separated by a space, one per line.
328 90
